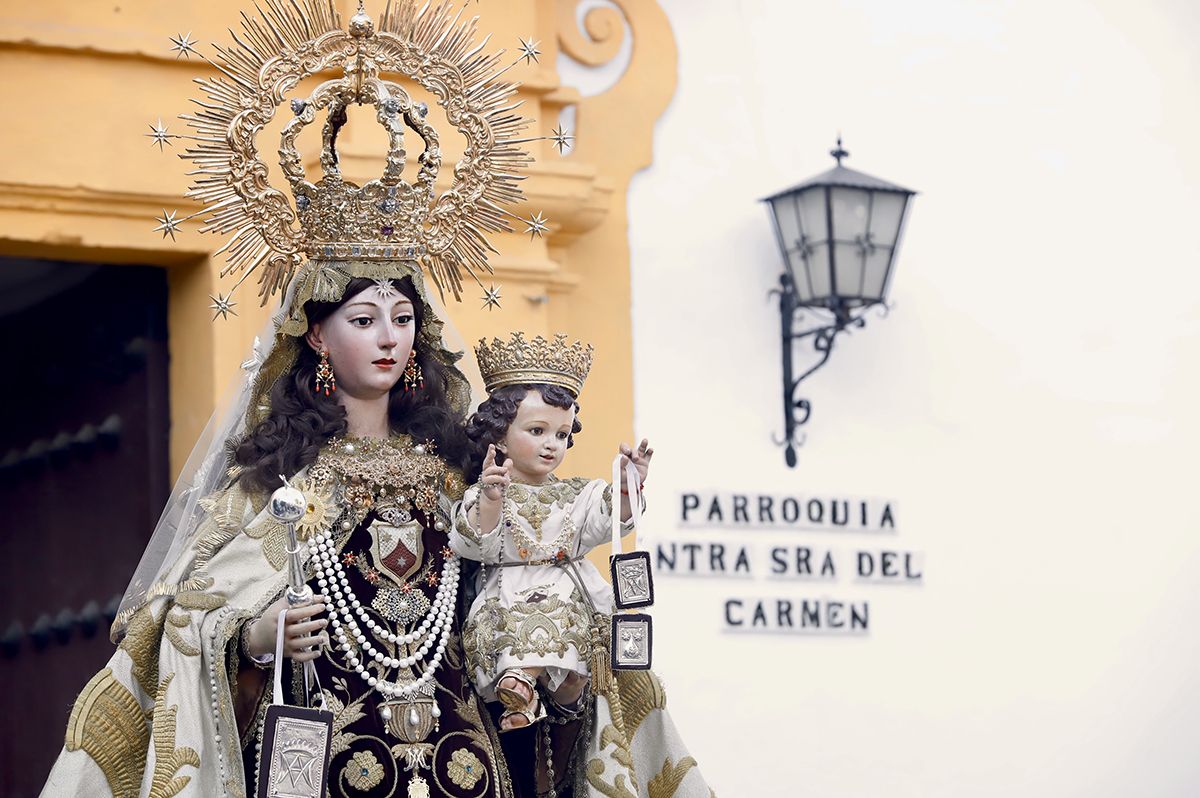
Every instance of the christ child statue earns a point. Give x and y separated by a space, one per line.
528 630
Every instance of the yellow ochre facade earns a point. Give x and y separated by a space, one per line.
80 180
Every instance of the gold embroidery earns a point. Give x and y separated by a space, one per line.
406 471
197 600
622 754
467 710
343 716
546 626
536 502
640 692
465 529
595 777
363 771
197 581
549 626
262 527
464 768
178 619
209 544
453 658
108 723
228 625
168 760
535 513
227 508
142 639
493 745
667 782
274 547
479 637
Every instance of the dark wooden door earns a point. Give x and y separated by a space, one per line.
84 474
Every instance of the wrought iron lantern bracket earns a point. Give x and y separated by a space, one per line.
840 319
838 234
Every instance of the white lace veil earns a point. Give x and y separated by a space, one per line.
206 469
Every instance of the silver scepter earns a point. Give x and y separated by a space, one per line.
287 506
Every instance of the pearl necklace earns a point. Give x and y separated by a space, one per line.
434 628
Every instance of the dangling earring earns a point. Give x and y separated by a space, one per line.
414 378
325 379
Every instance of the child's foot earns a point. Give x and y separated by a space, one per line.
567 697
517 690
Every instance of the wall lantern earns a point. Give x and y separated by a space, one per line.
838 233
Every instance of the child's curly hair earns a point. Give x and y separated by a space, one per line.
489 424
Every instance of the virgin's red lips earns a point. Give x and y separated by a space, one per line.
384 362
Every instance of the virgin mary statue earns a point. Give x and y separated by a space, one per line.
354 399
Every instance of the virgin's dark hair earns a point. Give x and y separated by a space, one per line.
302 420
490 422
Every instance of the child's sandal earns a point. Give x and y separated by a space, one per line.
533 712
514 700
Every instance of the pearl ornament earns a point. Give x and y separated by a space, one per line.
433 632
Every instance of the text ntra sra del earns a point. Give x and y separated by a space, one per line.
801 562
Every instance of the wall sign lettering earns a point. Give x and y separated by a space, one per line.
736 537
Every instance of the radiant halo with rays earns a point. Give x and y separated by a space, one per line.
431 44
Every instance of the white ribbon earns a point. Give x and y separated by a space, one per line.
281 628
634 482
310 668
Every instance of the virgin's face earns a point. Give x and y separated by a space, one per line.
536 439
368 338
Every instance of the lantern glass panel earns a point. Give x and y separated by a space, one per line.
851 212
848 269
810 206
875 274
784 209
818 272
800 276
886 210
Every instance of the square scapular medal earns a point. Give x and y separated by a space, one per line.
633 585
295 752
632 580
632 637
294 759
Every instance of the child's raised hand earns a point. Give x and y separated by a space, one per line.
640 459
494 478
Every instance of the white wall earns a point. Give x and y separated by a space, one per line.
1030 404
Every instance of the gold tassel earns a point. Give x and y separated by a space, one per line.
600 665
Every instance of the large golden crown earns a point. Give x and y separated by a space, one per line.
334 220
521 362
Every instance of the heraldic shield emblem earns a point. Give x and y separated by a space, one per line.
396 545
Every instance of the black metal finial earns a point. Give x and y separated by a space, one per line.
838 152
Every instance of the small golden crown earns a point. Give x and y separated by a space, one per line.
521 362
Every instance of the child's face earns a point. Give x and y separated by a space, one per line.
536 439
